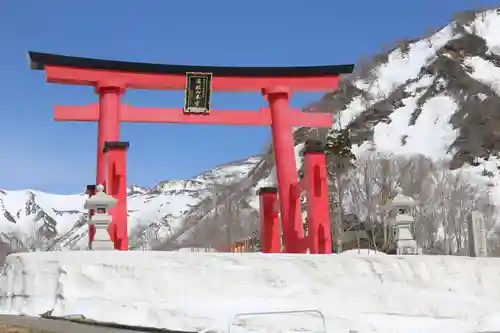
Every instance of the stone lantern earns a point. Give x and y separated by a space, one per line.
403 223
101 203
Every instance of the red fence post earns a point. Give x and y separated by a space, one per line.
90 192
286 169
318 214
270 238
117 187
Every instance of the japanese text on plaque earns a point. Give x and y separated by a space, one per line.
198 91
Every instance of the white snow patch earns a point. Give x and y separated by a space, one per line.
400 67
64 207
485 72
431 135
487 25
423 82
192 291
481 96
388 137
398 70
298 149
352 111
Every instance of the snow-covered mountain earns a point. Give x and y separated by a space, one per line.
29 214
437 96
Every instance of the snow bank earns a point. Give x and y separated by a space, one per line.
192 291
362 252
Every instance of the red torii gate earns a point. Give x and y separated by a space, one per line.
112 78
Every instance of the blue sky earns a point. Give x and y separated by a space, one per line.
38 153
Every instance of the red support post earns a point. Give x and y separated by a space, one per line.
295 199
316 186
90 192
286 170
133 114
270 238
108 124
117 187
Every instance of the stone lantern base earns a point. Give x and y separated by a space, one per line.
406 247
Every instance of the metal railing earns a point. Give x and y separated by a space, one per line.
314 311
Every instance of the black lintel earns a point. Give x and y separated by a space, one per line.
91 188
39 60
268 189
314 146
110 145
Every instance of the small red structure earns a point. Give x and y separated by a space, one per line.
270 236
314 184
111 79
90 191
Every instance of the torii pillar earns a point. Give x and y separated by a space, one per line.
316 188
286 169
108 124
270 238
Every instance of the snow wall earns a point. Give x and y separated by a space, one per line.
194 291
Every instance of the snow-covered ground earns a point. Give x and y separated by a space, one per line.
193 291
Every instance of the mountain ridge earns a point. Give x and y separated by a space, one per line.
30 215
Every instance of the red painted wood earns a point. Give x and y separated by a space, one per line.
90 77
130 114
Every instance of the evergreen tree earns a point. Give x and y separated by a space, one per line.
338 145
340 159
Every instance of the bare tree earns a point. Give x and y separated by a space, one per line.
340 159
32 241
444 199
